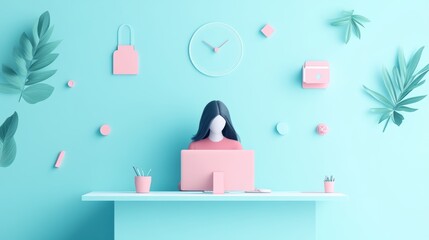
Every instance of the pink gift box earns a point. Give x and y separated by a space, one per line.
315 74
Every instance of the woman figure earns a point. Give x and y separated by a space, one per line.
215 131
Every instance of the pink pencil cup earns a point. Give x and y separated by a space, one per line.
329 187
142 184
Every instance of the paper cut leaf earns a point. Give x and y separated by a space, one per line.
7 141
32 56
398 84
352 22
37 93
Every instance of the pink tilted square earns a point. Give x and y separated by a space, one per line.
315 74
267 30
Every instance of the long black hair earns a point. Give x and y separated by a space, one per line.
213 109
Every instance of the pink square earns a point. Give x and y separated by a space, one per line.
267 30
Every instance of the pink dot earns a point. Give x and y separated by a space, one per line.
105 130
322 129
70 83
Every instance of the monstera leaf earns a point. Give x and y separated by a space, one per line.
352 22
7 141
31 58
399 83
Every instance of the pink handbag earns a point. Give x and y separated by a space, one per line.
125 59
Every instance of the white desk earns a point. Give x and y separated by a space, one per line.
195 215
199 196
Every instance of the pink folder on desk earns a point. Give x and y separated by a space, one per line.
200 167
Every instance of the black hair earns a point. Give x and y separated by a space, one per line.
213 109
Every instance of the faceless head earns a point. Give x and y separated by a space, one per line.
218 124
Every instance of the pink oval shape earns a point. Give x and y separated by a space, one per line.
105 130
70 83
322 129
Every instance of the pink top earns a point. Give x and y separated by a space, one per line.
224 144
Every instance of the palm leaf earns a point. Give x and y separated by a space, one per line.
412 64
352 23
389 85
361 18
399 84
380 98
411 100
356 30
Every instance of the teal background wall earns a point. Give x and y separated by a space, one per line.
153 115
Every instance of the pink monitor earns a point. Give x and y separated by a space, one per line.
232 169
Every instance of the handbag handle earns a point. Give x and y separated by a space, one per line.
131 33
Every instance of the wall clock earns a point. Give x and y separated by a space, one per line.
216 49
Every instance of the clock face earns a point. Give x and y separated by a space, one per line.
216 49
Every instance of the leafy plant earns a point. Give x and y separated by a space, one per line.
329 179
399 83
7 141
140 173
31 58
352 22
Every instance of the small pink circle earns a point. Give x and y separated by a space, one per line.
105 130
70 83
322 129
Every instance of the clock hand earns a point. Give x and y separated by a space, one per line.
223 44
208 44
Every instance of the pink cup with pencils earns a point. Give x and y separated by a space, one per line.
141 181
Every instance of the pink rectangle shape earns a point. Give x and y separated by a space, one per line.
198 166
60 159
218 183
315 74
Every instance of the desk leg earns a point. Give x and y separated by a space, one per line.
215 220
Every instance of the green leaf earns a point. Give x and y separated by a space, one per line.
34 37
423 70
360 18
47 36
348 33
37 93
406 109
8 70
389 85
43 62
340 21
7 152
396 78
412 64
36 77
26 47
8 128
14 80
381 110
397 118
402 65
380 98
355 28
44 22
385 116
411 100
387 122
21 66
9 89
46 49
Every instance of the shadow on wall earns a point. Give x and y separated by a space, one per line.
96 224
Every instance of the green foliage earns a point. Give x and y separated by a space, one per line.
399 83
7 141
329 179
352 23
32 56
